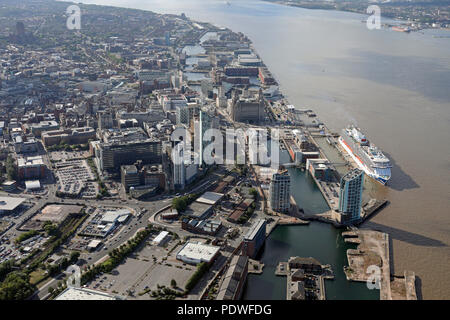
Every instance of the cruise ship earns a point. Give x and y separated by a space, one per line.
368 157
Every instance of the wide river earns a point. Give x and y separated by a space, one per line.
395 86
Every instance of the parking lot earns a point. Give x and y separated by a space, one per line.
9 250
75 177
145 270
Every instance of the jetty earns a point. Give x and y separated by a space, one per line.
255 266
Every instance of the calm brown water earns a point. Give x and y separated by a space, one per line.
395 86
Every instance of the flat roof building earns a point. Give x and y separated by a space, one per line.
94 244
38 128
173 101
73 293
210 227
250 60
198 210
9 186
161 238
210 198
57 213
9 204
129 176
69 136
31 167
173 214
255 237
320 168
145 176
113 155
117 216
194 253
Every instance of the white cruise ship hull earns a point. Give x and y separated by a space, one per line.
378 174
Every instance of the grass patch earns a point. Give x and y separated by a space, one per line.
37 276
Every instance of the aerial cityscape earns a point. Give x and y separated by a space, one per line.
151 153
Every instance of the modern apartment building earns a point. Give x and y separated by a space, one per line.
350 198
280 191
184 172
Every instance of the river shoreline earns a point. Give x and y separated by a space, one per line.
403 22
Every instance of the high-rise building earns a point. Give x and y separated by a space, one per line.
184 171
350 198
105 120
167 38
205 122
184 115
178 79
179 169
179 176
280 187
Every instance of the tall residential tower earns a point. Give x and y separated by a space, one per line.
280 191
350 198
